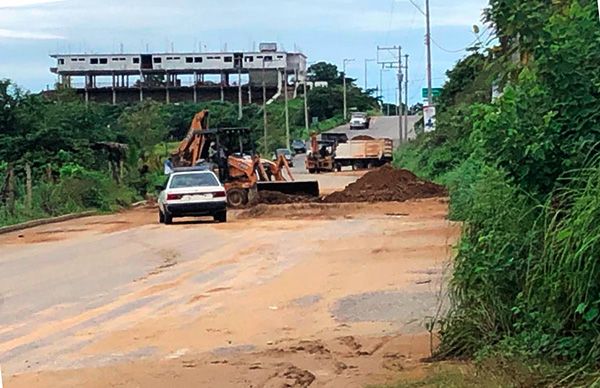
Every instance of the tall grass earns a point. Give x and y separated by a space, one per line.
527 275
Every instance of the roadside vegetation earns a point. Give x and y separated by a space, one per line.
103 157
524 176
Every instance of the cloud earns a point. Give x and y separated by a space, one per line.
11 34
24 3
86 17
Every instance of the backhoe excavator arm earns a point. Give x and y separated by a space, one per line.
278 167
190 148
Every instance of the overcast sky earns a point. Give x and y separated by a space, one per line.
327 30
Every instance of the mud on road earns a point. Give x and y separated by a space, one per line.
288 295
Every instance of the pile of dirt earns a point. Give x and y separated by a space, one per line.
387 184
277 198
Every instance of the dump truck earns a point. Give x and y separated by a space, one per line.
363 152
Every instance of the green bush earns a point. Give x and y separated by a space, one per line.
492 259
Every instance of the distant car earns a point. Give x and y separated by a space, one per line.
287 154
299 146
192 193
360 120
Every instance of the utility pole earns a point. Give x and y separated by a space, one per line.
345 92
367 71
306 104
406 96
287 112
381 83
396 63
264 87
428 44
400 79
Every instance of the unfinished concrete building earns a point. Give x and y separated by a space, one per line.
178 77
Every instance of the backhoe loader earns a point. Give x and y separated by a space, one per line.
229 152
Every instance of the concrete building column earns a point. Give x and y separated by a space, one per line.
87 87
195 87
141 87
222 87
168 93
296 83
114 90
240 97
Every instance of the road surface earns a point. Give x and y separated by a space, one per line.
336 295
381 127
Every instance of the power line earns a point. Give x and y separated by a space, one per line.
417 7
477 39
389 30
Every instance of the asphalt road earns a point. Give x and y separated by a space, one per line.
381 127
328 183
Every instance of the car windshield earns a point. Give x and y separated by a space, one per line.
284 152
181 181
358 115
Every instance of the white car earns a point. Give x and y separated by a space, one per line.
192 193
360 120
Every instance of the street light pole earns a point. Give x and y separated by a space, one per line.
287 109
367 71
345 91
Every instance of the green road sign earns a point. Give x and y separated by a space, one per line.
435 91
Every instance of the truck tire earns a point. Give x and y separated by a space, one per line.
311 170
237 198
338 167
221 217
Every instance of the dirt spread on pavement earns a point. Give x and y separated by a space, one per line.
388 184
200 304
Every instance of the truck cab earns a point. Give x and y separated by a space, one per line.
360 120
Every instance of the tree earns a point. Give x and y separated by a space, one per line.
323 71
144 125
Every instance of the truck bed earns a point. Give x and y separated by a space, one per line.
376 149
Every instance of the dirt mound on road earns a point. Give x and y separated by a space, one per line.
387 184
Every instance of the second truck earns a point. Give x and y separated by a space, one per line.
334 151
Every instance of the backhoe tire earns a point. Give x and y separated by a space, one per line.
237 198
161 217
168 219
221 217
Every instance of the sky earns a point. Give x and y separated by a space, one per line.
324 30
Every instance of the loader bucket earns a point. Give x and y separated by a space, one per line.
310 188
